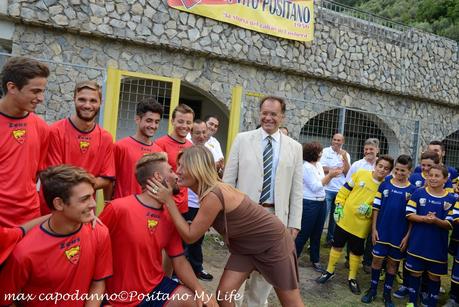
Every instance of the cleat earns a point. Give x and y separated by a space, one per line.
368 297
318 267
326 276
354 286
401 293
388 301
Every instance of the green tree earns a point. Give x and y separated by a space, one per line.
438 16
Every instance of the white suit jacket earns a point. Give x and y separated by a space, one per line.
244 170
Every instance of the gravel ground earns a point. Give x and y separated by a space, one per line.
334 293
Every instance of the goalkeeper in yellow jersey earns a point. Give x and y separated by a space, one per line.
353 216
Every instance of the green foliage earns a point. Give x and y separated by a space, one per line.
438 16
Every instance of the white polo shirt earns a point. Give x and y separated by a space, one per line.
332 159
214 146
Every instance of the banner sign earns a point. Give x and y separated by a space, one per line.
290 19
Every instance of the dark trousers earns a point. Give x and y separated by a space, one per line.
330 197
312 225
193 251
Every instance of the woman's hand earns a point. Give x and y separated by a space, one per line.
159 191
335 172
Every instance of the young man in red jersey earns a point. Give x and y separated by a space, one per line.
130 149
80 141
23 139
64 260
172 144
140 229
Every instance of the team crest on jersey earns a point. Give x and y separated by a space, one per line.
20 135
418 183
447 205
84 146
73 254
386 193
151 224
362 184
408 196
422 201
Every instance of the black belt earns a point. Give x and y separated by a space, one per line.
267 205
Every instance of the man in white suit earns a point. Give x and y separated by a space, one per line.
277 185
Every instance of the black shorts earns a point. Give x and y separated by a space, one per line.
341 237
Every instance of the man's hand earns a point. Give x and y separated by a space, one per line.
404 243
430 218
293 232
220 164
374 236
96 221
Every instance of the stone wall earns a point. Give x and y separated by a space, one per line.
307 96
422 66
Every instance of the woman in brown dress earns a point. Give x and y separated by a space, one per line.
256 239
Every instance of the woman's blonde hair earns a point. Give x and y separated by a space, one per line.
199 163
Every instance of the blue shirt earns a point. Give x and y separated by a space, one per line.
428 241
391 201
452 173
419 181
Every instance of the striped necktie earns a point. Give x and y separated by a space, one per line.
267 168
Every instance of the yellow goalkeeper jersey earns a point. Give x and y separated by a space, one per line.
356 196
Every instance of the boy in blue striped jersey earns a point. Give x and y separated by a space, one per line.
390 229
431 211
428 159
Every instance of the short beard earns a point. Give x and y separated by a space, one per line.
86 119
143 133
175 190
175 187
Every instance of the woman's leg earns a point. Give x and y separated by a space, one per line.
318 227
307 223
229 284
290 298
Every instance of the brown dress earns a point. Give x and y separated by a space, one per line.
258 241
